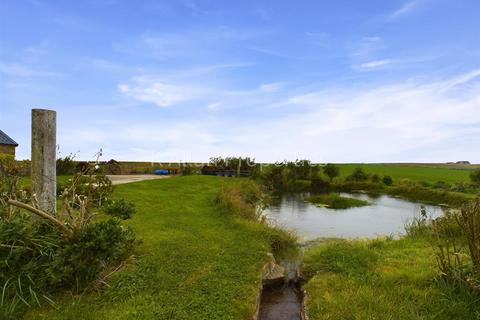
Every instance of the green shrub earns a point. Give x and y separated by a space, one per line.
97 188
44 253
186 169
475 177
331 171
315 171
424 184
318 185
358 174
26 251
120 208
441 185
61 188
37 260
387 180
284 176
99 244
464 187
274 177
66 165
299 169
10 171
300 185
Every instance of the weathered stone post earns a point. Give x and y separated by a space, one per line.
43 170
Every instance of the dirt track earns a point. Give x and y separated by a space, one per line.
121 179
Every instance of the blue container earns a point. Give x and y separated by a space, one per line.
161 172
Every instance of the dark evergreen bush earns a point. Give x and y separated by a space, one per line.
120 208
387 180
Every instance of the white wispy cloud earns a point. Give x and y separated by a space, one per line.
372 38
403 10
462 79
214 105
193 42
159 92
271 87
199 85
375 64
268 51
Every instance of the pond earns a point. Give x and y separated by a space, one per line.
385 215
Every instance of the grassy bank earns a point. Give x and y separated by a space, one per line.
428 195
382 279
335 201
410 191
196 262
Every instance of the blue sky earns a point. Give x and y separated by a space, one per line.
331 81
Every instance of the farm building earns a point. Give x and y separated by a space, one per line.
7 144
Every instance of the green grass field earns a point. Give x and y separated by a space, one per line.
194 263
382 279
427 173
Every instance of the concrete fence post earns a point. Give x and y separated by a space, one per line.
43 168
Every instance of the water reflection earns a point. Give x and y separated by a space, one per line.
384 216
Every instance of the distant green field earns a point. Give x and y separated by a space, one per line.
415 173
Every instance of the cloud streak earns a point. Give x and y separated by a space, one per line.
375 64
159 92
403 10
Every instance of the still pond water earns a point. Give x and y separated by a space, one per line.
384 216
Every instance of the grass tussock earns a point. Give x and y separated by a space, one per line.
457 243
335 201
244 200
281 241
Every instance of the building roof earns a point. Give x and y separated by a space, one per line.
6 140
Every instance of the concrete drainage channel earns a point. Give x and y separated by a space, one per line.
281 296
